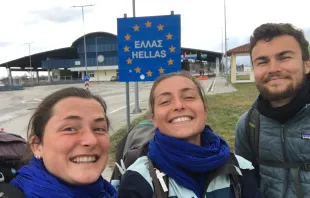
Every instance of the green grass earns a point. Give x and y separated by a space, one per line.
243 77
224 111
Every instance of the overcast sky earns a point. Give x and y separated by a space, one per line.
53 24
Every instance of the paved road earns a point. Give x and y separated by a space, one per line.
16 107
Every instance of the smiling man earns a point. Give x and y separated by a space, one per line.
275 133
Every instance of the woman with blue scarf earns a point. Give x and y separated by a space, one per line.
68 136
183 148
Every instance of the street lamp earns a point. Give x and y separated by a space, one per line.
226 60
30 64
82 6
97 54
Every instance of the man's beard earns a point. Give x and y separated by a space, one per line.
289 92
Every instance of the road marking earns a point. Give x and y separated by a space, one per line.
35 100
213 85
123 107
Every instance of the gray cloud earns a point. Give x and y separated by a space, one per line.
59 14
5 44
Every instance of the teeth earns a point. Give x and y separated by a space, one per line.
84 159
181 119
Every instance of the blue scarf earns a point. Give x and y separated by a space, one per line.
35 181
181 160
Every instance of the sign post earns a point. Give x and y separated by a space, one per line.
148 47
86 82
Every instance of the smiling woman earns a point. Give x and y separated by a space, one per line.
184 148
68 135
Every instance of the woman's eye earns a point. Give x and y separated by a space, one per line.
71 129
100 130
164 102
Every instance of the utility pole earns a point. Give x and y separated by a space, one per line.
30 61
82 6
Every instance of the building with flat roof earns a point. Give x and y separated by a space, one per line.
102 59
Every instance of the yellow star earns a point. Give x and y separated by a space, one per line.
170 61
149 73
148 24
172 49
129 61
160 27
161 70
126 49
138 69
136 28
169 36
127 37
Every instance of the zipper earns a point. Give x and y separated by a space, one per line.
285 161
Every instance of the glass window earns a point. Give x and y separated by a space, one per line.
91 74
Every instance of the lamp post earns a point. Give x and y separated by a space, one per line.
30 61
226 60
97 55
82 6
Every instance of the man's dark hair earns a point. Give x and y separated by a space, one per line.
268 31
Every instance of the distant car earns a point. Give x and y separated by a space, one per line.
114 78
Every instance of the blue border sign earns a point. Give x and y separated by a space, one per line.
148 47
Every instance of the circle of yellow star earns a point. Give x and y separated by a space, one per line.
138 69
129 61
160 27
148 24
169 36
136 28
170 61
149 73
161 70
172 49
127 37
126 49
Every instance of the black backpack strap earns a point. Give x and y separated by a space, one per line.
227 169
8 191
159 192
252 127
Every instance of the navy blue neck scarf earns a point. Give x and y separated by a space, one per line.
181 160
35 181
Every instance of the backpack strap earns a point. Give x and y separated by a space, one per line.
252 127
7 191
252 130
227 169
159 192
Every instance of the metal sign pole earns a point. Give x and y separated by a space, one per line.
137 107
127 101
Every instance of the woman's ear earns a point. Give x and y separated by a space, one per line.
36 146
307 67
154 120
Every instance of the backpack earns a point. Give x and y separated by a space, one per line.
12 150
135 145
252 129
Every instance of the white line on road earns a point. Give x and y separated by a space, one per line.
123 107
213 85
